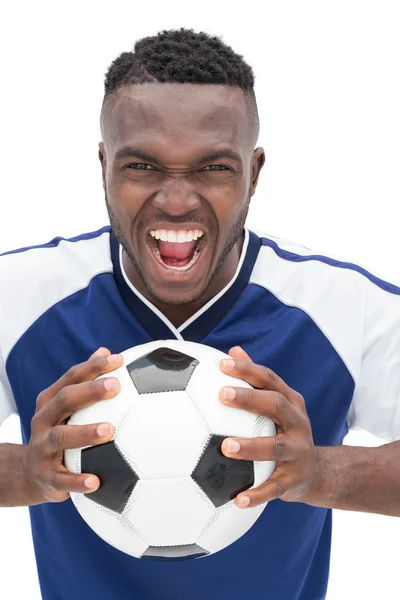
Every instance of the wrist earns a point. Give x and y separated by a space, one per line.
27 492
320 492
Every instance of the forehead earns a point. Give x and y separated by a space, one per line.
185 116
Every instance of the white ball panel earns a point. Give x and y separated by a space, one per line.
164 433
169 512
112 528
228 525
107 411
263 469
221 419
72 460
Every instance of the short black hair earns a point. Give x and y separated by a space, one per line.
182 56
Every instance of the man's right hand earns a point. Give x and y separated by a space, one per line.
46 475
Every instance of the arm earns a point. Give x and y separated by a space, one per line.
13 487
368 479
14 490
343 477
34 473
359 479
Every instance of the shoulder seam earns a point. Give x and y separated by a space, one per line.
293 257
56 241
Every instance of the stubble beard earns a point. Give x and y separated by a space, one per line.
233 238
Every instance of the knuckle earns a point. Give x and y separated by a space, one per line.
97 386
244 396
280 448
71 374
99 364
76 482
40 399
54 481
64 397
299 399
35 423
88 434
56 437
268 375
96 389
278 401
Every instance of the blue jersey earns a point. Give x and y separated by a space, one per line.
329 329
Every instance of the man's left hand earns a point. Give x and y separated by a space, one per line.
297 473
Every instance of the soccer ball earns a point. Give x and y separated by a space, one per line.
167 492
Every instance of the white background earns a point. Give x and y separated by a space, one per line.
327 83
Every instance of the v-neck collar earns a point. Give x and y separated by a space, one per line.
204 320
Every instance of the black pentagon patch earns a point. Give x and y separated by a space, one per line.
220 477
117 479
184 552
163 370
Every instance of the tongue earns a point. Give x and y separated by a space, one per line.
175 250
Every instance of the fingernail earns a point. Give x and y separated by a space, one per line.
111 384
233 446
90 482
228 363
244 501
114 359
229 393
103 430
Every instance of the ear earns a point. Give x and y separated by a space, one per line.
103 161
257 163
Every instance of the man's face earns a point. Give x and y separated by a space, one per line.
178 172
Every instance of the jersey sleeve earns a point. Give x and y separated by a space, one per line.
375 405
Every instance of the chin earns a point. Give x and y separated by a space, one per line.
180 297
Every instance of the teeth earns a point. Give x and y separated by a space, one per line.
179 237
157 254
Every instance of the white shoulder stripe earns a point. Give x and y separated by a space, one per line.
35 280
327 295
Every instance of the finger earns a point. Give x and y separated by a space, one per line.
269 490
258 376
86 371
100 352
65 481
276 448
64 437
74 397
239 353
263 403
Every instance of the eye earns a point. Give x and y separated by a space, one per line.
216 168
140 167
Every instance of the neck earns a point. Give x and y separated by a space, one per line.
178 314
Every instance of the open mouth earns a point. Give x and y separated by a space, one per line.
177 250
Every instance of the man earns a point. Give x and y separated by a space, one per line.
318 339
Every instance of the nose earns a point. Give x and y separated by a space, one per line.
176 197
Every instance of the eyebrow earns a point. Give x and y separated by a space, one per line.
127 151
